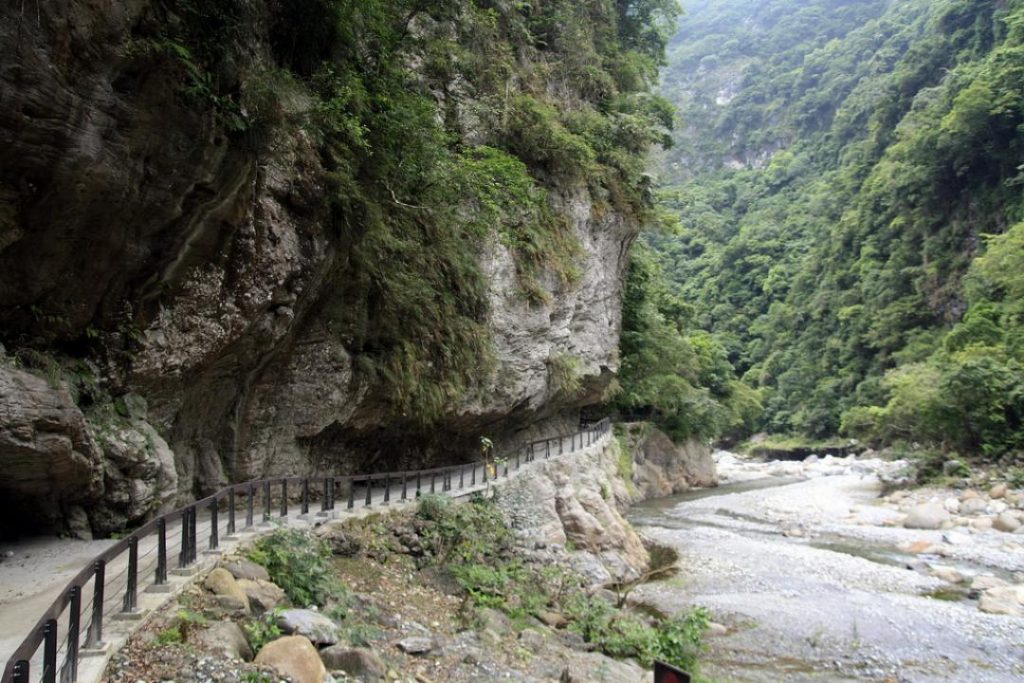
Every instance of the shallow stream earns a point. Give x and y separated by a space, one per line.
810 592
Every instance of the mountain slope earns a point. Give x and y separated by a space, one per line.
859 154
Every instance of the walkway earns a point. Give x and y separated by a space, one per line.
134 576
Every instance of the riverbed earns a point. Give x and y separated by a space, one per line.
815 579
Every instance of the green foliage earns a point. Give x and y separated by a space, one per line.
169 636
676 641
565 375
186 622
463 534
676 376
475 544
300 564
443 127
419 205
844 162
263 630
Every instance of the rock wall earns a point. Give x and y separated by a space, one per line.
661 467
198 278
575 503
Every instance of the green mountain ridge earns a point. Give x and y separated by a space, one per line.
847 178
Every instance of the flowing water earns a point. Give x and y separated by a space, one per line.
809 578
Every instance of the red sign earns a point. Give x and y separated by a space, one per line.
663 673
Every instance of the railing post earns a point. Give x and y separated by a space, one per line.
331 491
518 464
20 674
192 534
472 475
161 552
547 449
433 481
405 486
369 492
284 497
50 651
266 501
462 477
131 592
484 478
419 483
214 523
323 500
183 553
387 489
351 494
561 445
94 637
506 467
305 496
69 672
231 510
250 505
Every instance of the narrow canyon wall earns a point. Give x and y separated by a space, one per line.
185 290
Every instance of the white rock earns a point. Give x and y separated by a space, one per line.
1003 600
997 491
927 516
973 506
954 538
952 505
983 582
1006 522
997 506
948 574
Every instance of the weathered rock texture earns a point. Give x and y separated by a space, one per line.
199 275
662 467
48 459
576 502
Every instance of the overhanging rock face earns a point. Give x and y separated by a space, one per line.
207 278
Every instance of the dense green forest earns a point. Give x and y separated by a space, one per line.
848 177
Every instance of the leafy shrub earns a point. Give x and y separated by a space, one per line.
300 564
677 641
263 630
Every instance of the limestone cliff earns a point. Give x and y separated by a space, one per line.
575 505
197 242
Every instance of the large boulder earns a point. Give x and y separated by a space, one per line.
48 459
294 657
927 516
264 596
229 594
242 568
359 663
313 625
227 639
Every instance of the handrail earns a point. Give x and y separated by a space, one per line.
45 632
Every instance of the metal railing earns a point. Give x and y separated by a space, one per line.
115 574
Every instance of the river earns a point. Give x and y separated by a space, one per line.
816 580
